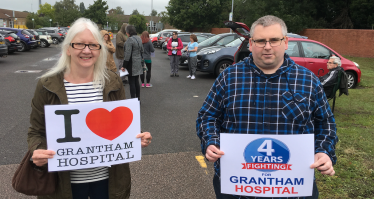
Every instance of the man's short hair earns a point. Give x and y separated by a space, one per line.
175 33
194 38
131 30
269 20
336 60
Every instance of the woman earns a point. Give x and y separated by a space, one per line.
82 63
148 49
111 49
133 60
174 46
191 49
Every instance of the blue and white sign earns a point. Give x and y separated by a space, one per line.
267 165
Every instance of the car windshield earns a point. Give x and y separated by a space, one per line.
42 33
34 32
210 41
26 32
201 39
13 35
235 43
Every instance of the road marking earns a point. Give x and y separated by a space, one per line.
202 163
28 71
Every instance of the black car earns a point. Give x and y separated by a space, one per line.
217 40
36 36
12 41
3 47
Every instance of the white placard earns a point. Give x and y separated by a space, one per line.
153 54
102 134
267 165
174 44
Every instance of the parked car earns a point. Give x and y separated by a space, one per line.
217 40
215 59
11 40
57 37
186 38
36 36
45 38
311 54
27 39
3 47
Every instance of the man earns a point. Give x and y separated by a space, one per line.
267 93
120 52
329 80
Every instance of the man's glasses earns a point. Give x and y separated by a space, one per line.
81 46
273 42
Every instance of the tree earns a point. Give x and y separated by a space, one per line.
47 10
153 13
164 16
119 11
82 8
139 22
66 12
97 12
191 14
135 12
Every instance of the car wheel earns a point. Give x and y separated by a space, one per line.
55 41
24 47
154 44
352 79
221 66
43 44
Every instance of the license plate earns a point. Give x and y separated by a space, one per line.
18 41
1 42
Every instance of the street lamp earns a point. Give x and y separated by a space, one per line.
107 29
32 23
50 21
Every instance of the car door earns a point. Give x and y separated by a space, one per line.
316 57
295 54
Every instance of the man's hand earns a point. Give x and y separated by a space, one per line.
40 156
323 163
146 138
213 153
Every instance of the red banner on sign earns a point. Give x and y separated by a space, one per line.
267 166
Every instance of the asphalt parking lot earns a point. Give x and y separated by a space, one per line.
171 167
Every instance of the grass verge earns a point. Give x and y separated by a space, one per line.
354 116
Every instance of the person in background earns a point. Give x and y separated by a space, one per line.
191 49
133 60
329 80
148 49
81 65
267 93
110 47
174 46
120 52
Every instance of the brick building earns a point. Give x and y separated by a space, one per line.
13 19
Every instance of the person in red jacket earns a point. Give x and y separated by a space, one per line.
174 46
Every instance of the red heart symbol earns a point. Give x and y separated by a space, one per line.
109 125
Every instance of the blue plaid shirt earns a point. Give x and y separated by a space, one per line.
246 101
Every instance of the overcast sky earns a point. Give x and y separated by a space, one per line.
143 6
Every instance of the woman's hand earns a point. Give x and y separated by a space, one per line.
146 138
40 156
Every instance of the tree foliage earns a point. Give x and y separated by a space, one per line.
164 17
82 8
66 12
119 11
153 13
191 14
97 12
135 12
47 10
139 22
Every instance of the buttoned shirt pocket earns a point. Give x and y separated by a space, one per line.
294 107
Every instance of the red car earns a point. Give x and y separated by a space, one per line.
311 54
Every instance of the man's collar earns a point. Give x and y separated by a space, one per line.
287 64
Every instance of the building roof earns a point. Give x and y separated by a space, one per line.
17 14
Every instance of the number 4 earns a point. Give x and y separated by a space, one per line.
269 145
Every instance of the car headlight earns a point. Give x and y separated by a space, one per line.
211 52
356 64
